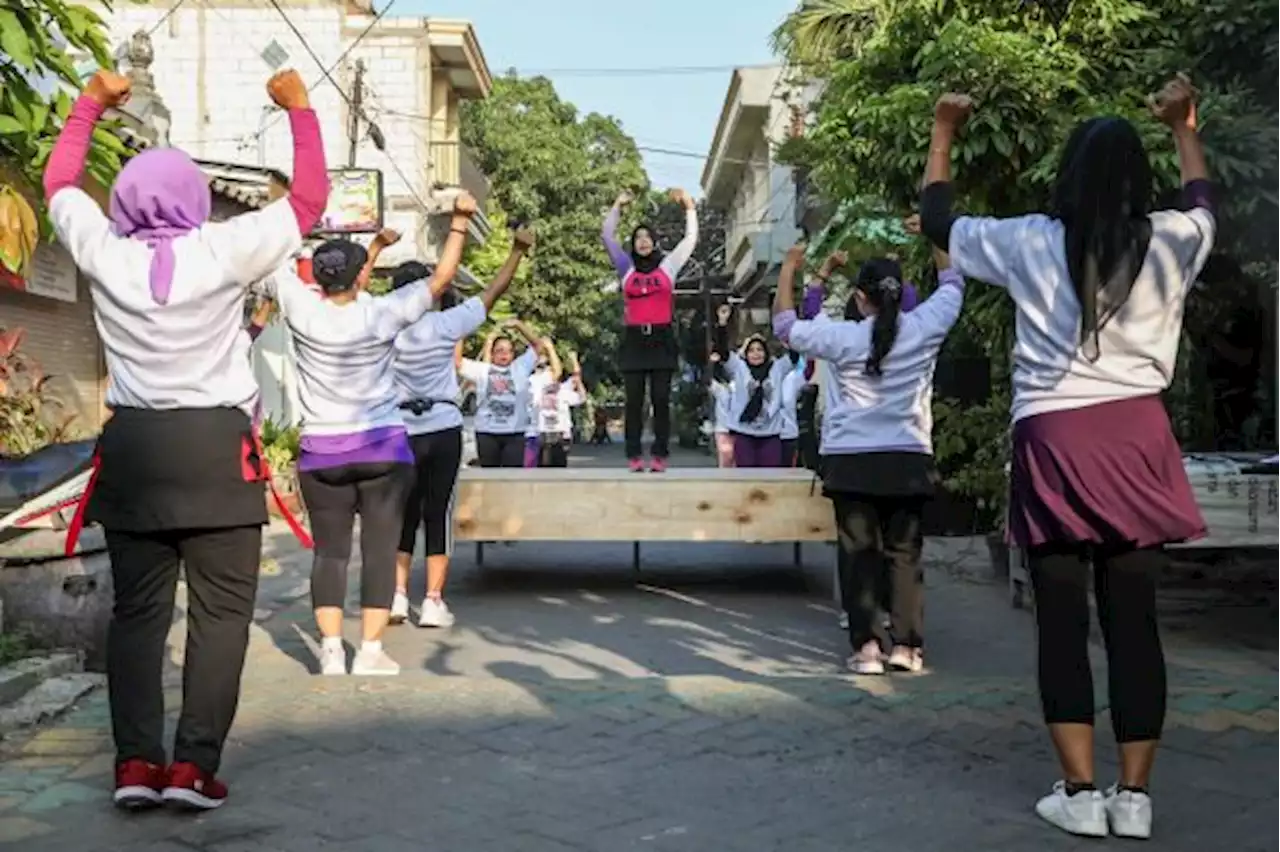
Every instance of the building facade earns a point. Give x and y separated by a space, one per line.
743 178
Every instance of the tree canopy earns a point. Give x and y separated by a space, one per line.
37 76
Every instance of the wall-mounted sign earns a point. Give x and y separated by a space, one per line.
52 274
355 203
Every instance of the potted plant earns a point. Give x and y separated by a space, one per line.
280 448
971 445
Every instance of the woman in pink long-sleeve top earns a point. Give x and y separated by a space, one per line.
179 477
649 352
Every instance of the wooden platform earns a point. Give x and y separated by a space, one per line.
690 504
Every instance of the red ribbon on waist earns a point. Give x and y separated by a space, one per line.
263 472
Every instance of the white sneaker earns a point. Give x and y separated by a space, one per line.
844 621
868 661
435 613
399 608
333 661
904 659
1084 814
374 662
1129 813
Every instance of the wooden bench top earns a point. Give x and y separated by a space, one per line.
608 504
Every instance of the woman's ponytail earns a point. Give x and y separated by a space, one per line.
880 280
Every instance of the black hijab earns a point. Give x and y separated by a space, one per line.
1101 197
759 373
649 262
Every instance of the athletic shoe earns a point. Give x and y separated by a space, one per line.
374 662
904 659
635 465
1128 813
868 661
139 784
333 661
399 608
191 788
658 465
435 613
1084 814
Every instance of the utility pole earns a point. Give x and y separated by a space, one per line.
357 100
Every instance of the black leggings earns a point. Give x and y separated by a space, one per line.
659 382
221 569
872 530
334 496
500 450
1124 585
436 457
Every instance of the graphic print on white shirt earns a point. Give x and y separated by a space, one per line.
502 404
550 402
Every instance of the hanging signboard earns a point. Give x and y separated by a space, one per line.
355 203
52 274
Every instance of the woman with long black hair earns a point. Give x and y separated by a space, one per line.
650 351
426 376
877 445
1098 485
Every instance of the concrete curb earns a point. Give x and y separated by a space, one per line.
51 698
17 679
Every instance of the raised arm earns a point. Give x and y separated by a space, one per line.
680 255
524 240
784 300
261 316
575 369
464 207
384 238
608 234
65 168
937 196
486 353
1175 106
553 358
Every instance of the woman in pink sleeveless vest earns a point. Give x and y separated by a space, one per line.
649 353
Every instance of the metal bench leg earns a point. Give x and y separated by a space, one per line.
635 556
797 558
479 554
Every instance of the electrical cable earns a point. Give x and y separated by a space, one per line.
165 17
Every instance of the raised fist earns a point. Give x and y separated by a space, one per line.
464 205
952 110
624 198
911 224
795 254
108 88
837 259
684 199
524 238
287 90
388 237
1175 104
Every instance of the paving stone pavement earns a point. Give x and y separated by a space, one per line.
696 707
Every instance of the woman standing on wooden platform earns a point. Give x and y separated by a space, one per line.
650 351
877 445
426 377
502 394
1097 480
178 475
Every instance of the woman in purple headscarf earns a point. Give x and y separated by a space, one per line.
179 475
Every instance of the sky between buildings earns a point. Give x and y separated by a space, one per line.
668 110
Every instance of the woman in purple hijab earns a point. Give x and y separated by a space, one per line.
179 476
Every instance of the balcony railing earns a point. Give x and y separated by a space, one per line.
453 165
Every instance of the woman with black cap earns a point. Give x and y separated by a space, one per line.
355 457
179 479
1097 479
650 352
426 376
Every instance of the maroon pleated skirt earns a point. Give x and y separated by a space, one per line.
1110 474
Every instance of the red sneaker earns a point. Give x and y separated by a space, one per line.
657 465
138 784
191 788
635 465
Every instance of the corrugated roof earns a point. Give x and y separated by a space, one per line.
250 192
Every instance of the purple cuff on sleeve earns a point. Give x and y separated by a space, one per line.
910 298
811 301
1198 193
950 276
782 324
